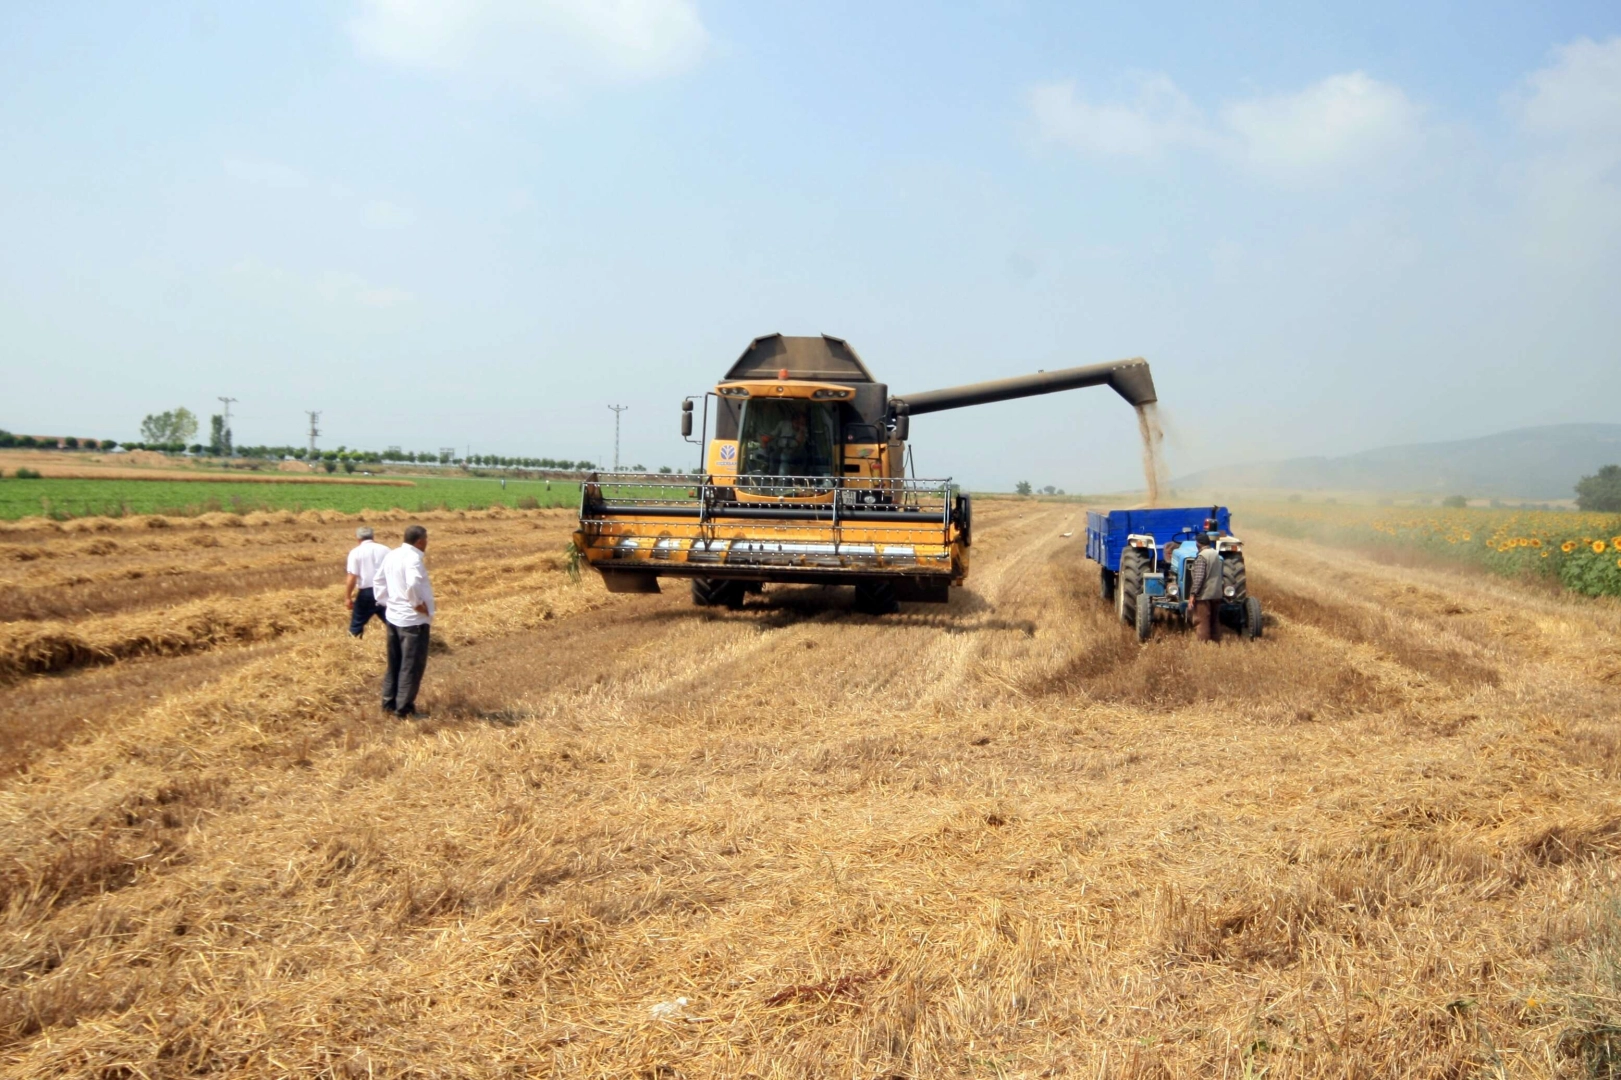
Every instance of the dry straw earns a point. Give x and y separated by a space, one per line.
999 839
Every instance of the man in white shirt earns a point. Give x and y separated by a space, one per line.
358 594
402 587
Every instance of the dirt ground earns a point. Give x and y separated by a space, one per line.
634 838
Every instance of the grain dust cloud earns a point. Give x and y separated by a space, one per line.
1154 474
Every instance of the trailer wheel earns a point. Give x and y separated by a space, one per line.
1252 618
876 598
1145 619
717 592
1128 585
1106 583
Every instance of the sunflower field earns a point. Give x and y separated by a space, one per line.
1579 550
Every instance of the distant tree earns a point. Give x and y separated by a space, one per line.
70 443
1455 502
1601 491
216 434
7 439
1022 487
1049 490
348 465
665 469
175 426
329 465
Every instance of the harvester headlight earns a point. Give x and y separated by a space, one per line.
821 395
1229 592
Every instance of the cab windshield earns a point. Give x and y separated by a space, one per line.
789 437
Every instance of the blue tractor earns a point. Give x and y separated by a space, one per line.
1147 556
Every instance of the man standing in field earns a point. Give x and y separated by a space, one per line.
358 594
402 587
1204 590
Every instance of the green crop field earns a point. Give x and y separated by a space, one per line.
113 498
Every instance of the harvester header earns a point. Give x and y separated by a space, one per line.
804 481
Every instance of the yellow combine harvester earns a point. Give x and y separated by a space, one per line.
805 482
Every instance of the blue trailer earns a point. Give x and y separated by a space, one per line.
1145 558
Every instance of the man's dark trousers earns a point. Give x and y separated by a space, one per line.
366 606
407 657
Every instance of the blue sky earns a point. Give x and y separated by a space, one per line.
1327 228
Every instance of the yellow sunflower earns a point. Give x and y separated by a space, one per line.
1599 546
1615 542
1568 546
1536 541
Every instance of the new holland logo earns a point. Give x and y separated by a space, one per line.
728 453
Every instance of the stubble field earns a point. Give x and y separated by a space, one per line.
635 838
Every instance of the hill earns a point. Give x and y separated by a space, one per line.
1528 463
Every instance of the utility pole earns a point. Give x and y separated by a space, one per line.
225 437
617 410
315 418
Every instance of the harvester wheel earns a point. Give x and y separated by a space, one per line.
1145 619
1130 583
1233 577
717 592
1252 618
1106 583
876 598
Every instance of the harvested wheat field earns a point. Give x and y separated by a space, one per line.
638 839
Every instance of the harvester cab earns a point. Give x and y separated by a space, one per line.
804 480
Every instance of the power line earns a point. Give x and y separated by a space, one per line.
617 410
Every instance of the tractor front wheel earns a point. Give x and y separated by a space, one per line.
1145 618
1252 618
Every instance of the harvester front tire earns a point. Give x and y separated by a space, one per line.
717 592
1129 585
1145 619
1252 618
877 598
1106 584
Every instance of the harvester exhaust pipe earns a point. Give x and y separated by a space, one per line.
1130 379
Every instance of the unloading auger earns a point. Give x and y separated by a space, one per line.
804 482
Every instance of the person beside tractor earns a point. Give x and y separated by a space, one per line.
1204 588
358 596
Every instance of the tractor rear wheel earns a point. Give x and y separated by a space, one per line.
1252 618
877 598
1129 584
717 592
1106 583
1233 577
1145 618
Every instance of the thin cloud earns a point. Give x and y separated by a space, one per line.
1570 113
1159 117
545 48
1344 122
337 288
271 174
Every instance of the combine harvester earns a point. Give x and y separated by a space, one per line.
805 482
1147 556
